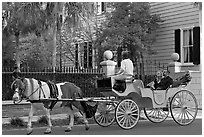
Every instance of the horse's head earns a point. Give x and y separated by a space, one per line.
18 87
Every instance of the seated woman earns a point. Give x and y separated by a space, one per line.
165 82
162 80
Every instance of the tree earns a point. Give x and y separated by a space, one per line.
132 27
21 19
38 17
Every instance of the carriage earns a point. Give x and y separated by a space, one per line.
126 107
123 105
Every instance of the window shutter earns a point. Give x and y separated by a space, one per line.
119 58
76 56
103 7
196 45
177 38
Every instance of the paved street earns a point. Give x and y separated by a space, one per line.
144 127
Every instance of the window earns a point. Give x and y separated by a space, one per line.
187 45
88 55
85 55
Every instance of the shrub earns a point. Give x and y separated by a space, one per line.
42 120
18 122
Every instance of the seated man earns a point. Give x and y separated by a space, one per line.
126 68
125 72
162 80
165 82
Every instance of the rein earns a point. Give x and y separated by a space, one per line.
27 98
40 87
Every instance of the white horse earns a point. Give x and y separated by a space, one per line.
31 89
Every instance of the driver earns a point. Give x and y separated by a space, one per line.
126 68
125 72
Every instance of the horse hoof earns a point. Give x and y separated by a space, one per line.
87 127
29 131
47 132
68 129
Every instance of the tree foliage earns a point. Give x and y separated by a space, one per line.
130 25
44 20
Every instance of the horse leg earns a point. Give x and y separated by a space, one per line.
85 121
49 128
71 120
29 125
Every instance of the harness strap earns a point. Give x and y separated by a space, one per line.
40 85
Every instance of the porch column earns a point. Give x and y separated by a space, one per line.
174 66
108 65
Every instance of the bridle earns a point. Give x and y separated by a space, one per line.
20 92
22 96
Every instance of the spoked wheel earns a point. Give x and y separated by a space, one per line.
184 107
127 114
105 114
156 115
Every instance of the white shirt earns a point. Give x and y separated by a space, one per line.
127 66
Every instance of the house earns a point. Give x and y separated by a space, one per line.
180 33
82 53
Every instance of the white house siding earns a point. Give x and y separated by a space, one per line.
195 86
175 15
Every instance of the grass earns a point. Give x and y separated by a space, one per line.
18 123
10 111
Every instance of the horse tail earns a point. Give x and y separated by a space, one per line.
88 109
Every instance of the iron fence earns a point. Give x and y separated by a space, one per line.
84 78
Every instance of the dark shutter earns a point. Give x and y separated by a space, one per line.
76 55
177 38
102 7
119 58
196 45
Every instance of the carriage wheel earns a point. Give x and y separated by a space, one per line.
105 114
184 107
156 115
127 114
